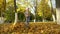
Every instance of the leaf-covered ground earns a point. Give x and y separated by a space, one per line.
33 28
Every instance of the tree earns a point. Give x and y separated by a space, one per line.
58 11
52 11
43 10
16 14
9 11
9 14
2 9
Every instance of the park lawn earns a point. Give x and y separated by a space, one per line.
34 28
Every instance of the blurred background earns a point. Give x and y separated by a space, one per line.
40 10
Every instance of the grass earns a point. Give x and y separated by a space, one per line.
34 28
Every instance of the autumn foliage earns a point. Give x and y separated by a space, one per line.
34 28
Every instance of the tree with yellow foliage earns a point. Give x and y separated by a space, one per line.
43 10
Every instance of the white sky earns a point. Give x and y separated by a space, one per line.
54 3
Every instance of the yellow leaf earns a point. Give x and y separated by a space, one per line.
18 9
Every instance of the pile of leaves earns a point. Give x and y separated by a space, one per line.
33 28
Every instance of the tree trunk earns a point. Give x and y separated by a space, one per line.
52 11
43 20
53 16
35 5
58 15
58 11
16 18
